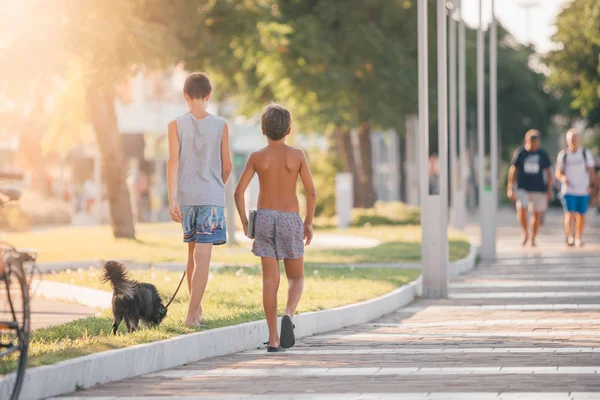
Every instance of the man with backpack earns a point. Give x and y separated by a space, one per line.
575 171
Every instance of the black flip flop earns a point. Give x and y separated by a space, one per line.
277 349
288 339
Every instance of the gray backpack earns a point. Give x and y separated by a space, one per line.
564 158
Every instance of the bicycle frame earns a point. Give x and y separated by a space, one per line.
12 325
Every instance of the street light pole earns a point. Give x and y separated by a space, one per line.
423 135
487 176
434 207
493 128
442 81
461 205
454 175
481 122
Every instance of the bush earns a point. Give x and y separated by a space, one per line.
34 210
384 213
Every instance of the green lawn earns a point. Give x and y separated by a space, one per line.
162 243
234 295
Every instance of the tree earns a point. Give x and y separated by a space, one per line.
108 41
337 65
575 66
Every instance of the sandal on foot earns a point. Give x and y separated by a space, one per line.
288 339
277 349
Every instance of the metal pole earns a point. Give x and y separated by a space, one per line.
442 59
454 176
423 134
461 205
493 128
434 208
481 120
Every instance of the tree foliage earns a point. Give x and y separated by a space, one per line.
575 66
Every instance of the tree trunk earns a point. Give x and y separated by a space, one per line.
104 120
30 149
346 150
365 171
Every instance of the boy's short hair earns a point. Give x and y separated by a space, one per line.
197 85
276 121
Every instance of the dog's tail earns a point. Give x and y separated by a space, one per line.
116 273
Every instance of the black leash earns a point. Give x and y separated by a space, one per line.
176 290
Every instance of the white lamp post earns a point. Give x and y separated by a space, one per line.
434 207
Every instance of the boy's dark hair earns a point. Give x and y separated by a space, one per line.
197 85
276 121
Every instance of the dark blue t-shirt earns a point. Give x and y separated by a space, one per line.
530 169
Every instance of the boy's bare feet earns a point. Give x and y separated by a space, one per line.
195 320
199 323
524 240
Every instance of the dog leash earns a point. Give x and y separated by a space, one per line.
176 290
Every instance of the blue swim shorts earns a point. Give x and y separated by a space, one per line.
577 204
204 224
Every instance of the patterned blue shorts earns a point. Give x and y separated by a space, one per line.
204 224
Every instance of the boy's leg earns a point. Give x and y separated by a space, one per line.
189 223
294 270
202 253
189 265
270 269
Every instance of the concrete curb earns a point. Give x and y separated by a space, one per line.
85 296
464 265
94 369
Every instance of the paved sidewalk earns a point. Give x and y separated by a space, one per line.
524 327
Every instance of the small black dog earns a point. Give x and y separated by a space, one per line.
132 300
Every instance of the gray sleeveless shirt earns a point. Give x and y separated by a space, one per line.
199 181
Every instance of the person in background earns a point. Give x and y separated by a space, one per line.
533 190
575 170
434 174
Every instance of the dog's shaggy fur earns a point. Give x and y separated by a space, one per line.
132 301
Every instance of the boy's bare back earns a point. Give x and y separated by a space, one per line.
278 167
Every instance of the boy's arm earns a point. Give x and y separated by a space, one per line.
227 165
240 189
311 197
172 171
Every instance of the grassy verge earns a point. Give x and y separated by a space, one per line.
233 297
162 243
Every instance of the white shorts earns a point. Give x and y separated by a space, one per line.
534 201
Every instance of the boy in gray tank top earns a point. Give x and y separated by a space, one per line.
198 168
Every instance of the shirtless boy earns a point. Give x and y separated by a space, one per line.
279 230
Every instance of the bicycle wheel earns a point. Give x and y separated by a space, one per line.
14 328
